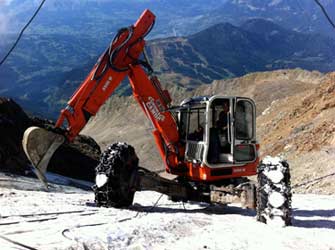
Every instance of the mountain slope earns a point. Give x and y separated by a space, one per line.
97 18
45 69
38 66
303 16
175 17
301 128
224 51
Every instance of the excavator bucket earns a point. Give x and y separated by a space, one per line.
39 145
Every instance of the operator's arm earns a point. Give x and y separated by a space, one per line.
106 75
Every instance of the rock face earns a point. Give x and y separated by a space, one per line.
13 122
301 128
76 160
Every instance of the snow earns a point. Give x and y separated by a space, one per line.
274 176
272 160
276 199
169 225
101 179
275 173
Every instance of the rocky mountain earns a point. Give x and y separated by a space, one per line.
303 16
295 118
77 159
224 51
176 18
39 64
66 38
98 18
301 128
221 51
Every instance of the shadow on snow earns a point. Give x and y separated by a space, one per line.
204 208
316 223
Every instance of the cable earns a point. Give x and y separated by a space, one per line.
184 206
114 52
21 33
325 13
312 181
156 203
17 243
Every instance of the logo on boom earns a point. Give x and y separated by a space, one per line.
154 110
109 80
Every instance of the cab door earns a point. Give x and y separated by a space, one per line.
244 130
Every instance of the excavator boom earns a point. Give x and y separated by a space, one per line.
111 68
120 59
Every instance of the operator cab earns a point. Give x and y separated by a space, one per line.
218 131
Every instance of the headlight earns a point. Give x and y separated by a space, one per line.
100 180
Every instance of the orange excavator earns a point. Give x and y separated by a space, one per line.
207 142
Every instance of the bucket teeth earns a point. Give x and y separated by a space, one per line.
39 146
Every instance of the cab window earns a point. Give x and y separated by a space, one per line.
244 120
191 124
197 117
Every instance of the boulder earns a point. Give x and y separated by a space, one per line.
76 160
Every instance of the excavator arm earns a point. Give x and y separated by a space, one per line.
154 102
112 67
120 59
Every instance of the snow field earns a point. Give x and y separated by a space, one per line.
169 225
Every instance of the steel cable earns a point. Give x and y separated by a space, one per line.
21 33
325 13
